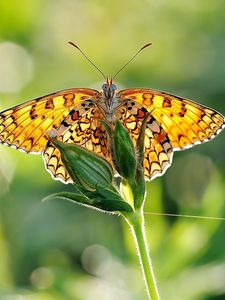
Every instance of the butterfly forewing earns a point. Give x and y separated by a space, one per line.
25 126
185 122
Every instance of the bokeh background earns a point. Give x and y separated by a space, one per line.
58 250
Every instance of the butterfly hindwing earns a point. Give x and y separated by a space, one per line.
83 127
158 149
54 164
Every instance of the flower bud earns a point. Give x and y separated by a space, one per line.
123 153
85 167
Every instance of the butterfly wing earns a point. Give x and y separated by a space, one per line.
175 124
158 149
24 126
83 127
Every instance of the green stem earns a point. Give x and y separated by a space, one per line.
136 222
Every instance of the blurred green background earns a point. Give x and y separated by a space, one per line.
57 250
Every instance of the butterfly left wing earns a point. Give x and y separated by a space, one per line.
24 126
180 122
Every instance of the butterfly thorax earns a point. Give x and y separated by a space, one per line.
109 101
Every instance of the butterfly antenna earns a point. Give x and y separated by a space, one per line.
132 58
88 59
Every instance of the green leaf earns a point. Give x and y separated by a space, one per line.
96 202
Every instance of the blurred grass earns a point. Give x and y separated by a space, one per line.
49 250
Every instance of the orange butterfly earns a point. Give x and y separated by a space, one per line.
173 123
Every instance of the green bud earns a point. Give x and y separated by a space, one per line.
127 192
139 194
85 167
123 153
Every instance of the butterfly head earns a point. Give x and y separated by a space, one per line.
109 88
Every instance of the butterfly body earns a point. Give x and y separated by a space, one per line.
108 100
173 123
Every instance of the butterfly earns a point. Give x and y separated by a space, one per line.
172 123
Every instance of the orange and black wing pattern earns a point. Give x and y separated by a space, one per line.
25 126
83 127
174 124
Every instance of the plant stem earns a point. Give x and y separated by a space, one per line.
136 222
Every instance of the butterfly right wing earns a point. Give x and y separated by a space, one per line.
186 122
175 124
